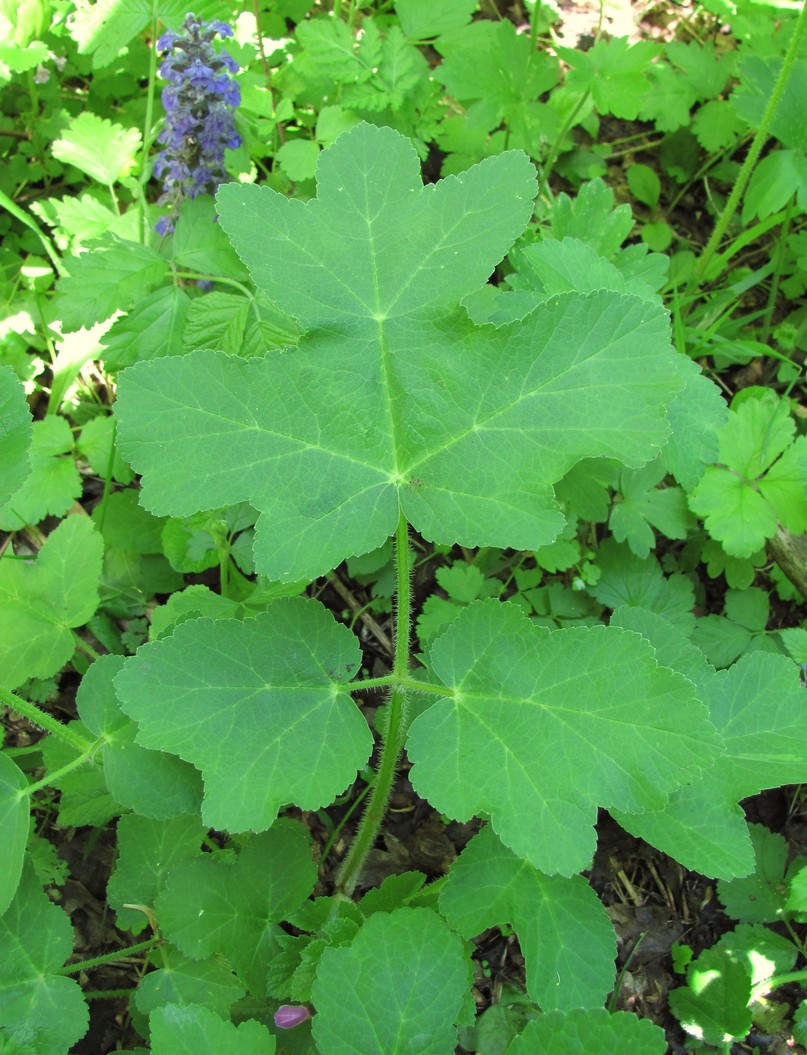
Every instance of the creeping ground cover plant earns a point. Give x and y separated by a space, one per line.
285 370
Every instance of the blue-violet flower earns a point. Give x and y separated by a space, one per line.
199 100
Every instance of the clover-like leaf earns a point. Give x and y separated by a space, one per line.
760 478
542 727
40 602
644 506
397 989
394 400
565 936
257 706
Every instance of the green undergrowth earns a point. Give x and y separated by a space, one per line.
462 431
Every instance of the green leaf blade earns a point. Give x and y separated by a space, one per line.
105 151
14 816
257 706
565 936
37 938
576 719
40 603
15 434
211 907
193 1029
396 989
393 399
375 244
589 1031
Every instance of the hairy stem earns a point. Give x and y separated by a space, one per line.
52 779
45 721
395 732
110 957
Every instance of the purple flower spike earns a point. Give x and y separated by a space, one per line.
288 1016
199 101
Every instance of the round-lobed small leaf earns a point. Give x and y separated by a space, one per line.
41 602
213 907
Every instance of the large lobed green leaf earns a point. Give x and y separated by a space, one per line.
757 708
193 1029
397 989
394 400
255 705
543 727
151 783
211 907
589 1031
41 1011
564 934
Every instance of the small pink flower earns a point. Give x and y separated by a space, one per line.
288 1016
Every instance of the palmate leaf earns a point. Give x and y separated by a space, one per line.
589 1031
758 708
394 400
565 936
256 706
36 1002
212 907
759 479
544 727
192 1029
397 989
